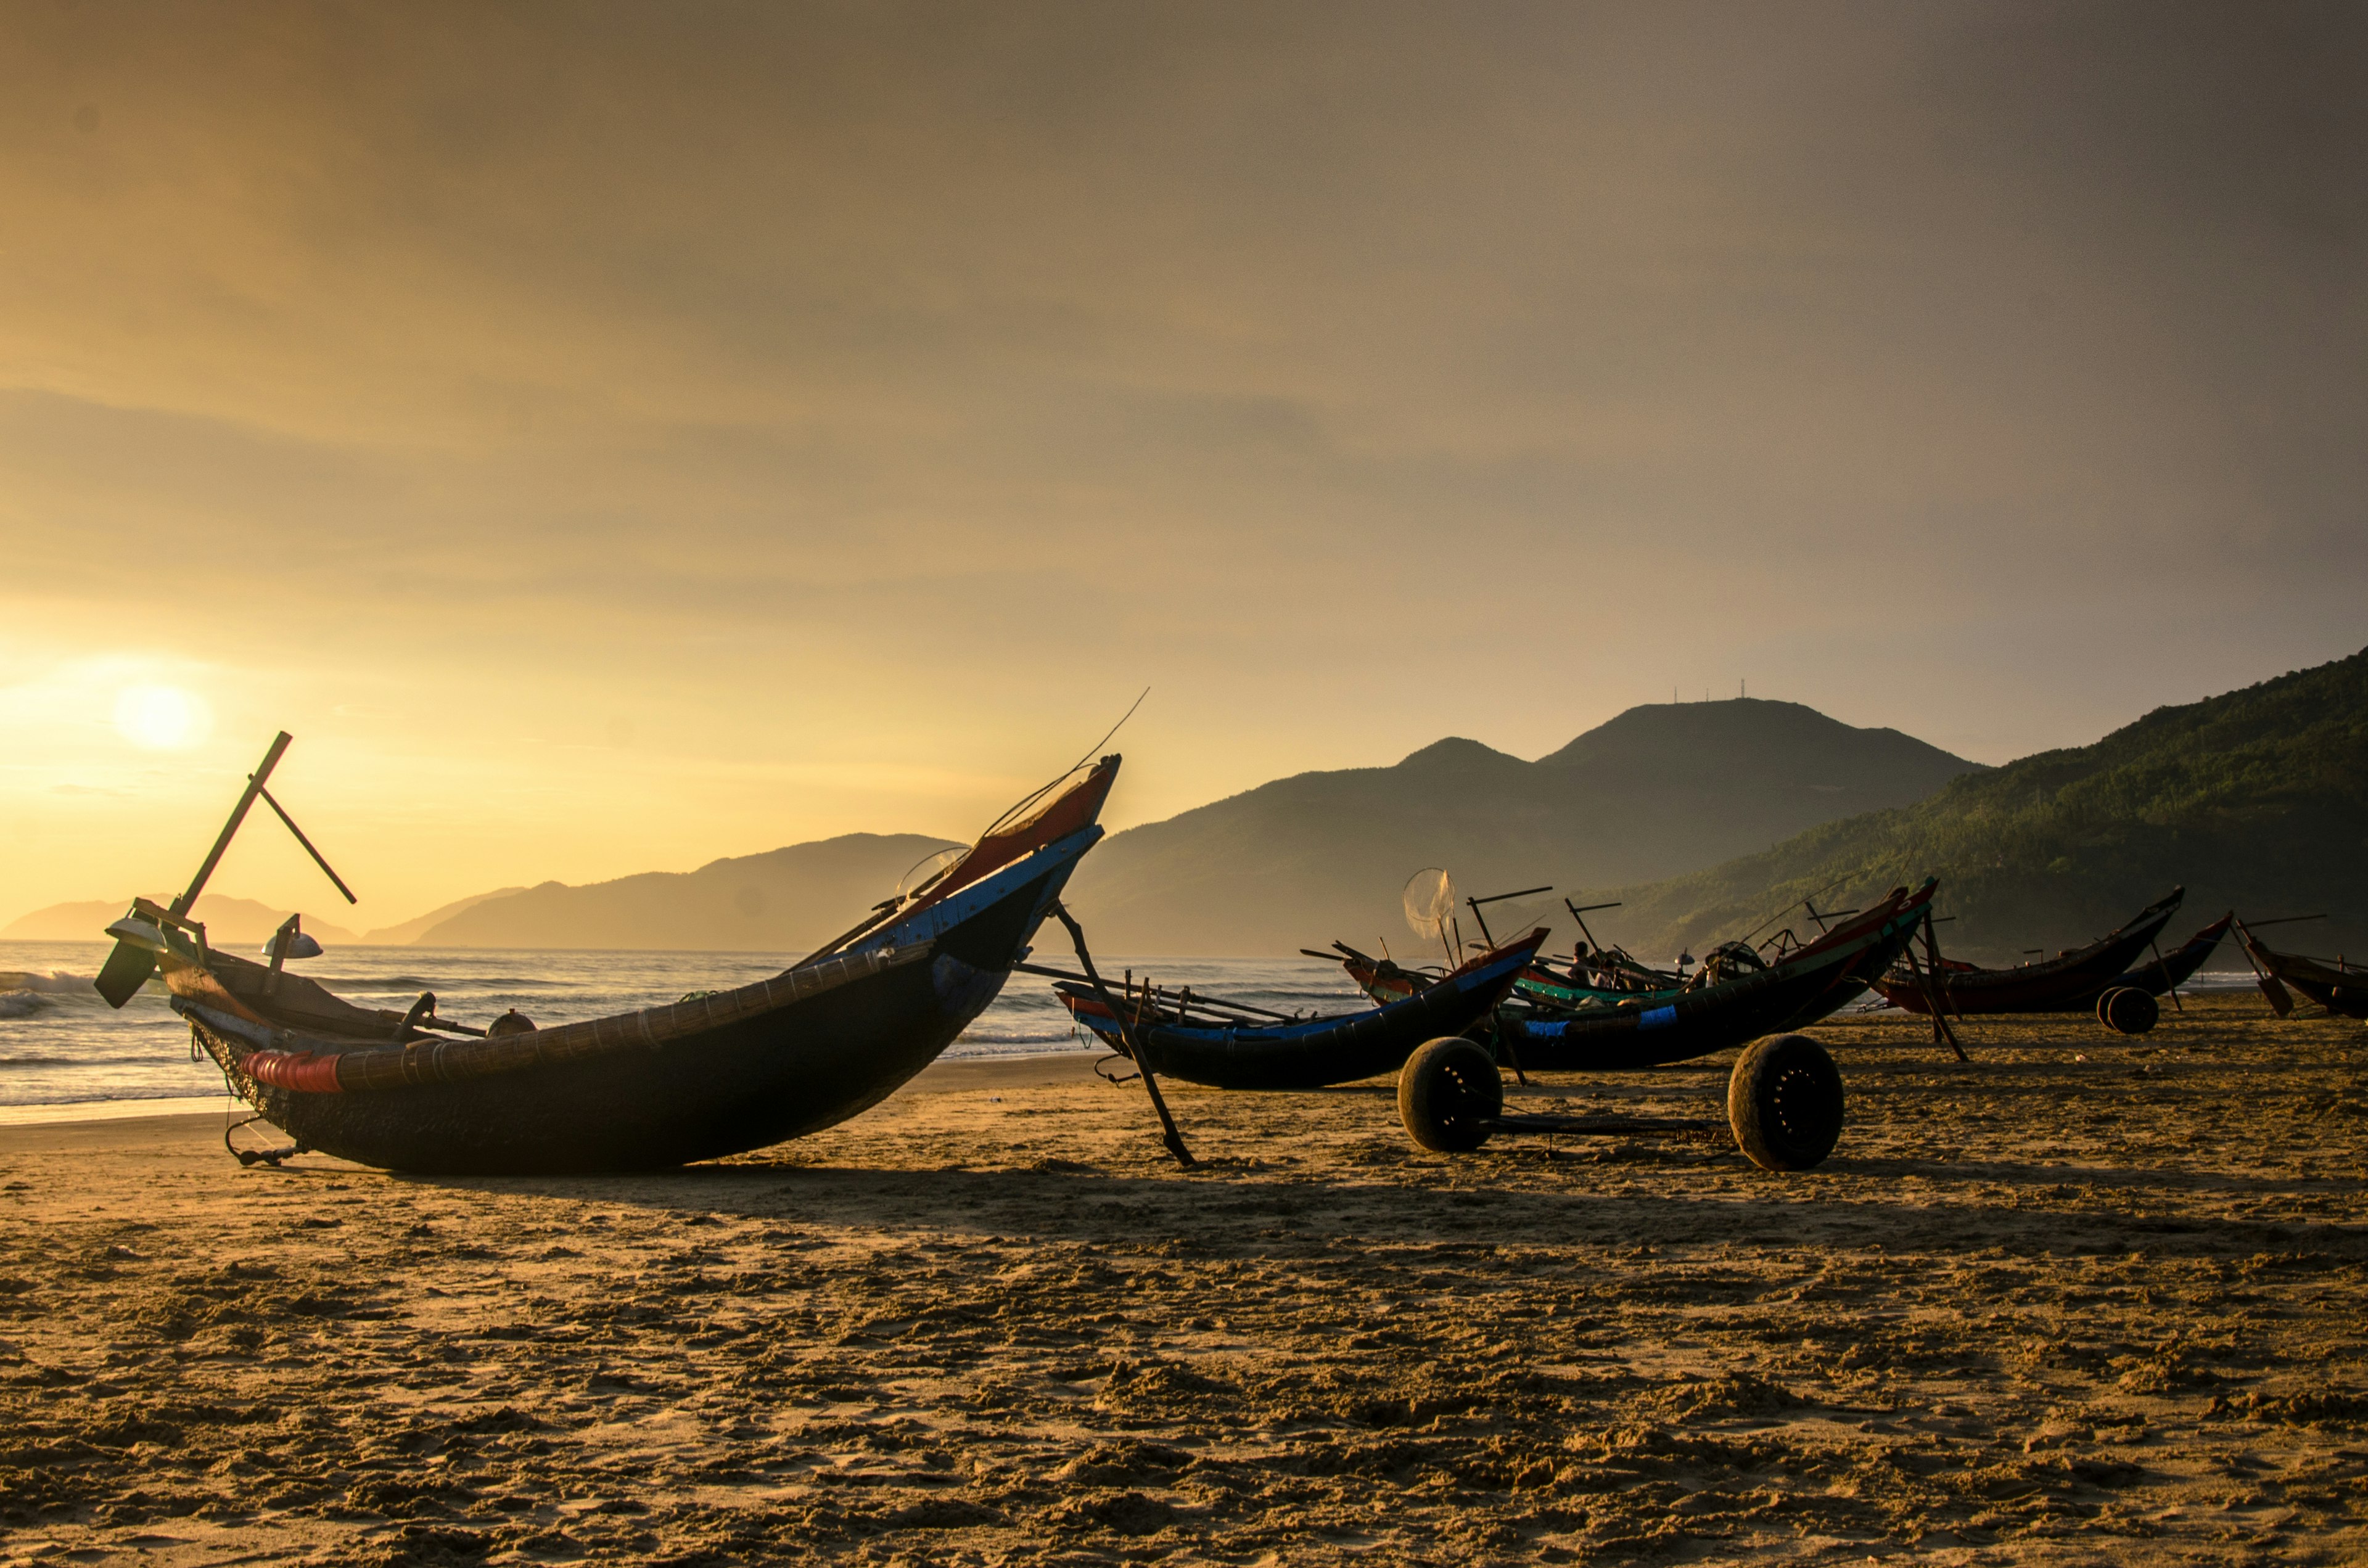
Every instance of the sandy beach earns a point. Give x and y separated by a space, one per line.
2081 1300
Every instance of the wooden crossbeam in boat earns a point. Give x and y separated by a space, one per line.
1230 1012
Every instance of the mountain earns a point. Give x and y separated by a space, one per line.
1658 791
413 930
2256 800
787 900
230 922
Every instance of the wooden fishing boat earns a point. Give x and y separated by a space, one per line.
2069 982
714 1075
2177 967
1724 1008
1206 1040
1606 975
1569 989
2334 985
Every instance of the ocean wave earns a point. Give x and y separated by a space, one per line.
57 981
21 1004
458 985
1012 1036
146 1058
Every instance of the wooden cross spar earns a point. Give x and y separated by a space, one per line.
128 966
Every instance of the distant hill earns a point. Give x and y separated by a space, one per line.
2256 799
230 922
786 901
1658 791
413 930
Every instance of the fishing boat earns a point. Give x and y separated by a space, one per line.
1590 977
2069 982
716 1074
2177 967
1224 1045
1732 1000
2333 984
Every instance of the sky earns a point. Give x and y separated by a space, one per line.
610 437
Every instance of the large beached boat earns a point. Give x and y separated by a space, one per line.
2069 982
1728 1003
1605 1011
716 1074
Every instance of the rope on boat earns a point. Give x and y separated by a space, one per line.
260 1156
1091 752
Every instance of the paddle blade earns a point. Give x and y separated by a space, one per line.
2280 1002
126 970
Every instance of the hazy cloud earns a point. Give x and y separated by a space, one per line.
845 388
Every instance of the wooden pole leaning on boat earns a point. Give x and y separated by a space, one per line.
2157 947
1169 1135
255 782
1930 979
318 859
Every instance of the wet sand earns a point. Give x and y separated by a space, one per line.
2038 1309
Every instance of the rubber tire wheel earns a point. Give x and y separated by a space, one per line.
1446 1090
1784 1103
2125 1009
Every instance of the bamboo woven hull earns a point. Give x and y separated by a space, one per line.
807 1064
747 1083
715 1073
1792 996
1319 1052
2069 985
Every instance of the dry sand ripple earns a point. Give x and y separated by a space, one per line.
2037 1310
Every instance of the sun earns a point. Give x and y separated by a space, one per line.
161 718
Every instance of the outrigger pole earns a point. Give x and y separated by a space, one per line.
1495 898
1579 912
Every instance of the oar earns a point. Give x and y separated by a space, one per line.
1231 1012
128 967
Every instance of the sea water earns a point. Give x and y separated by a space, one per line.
61 1044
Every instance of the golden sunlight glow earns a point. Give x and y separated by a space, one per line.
161 718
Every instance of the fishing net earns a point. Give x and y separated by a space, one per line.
1429 902
929 868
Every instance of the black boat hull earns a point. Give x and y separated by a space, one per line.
2067 984
1319 1053
2176 966
1721 1016
807 1064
